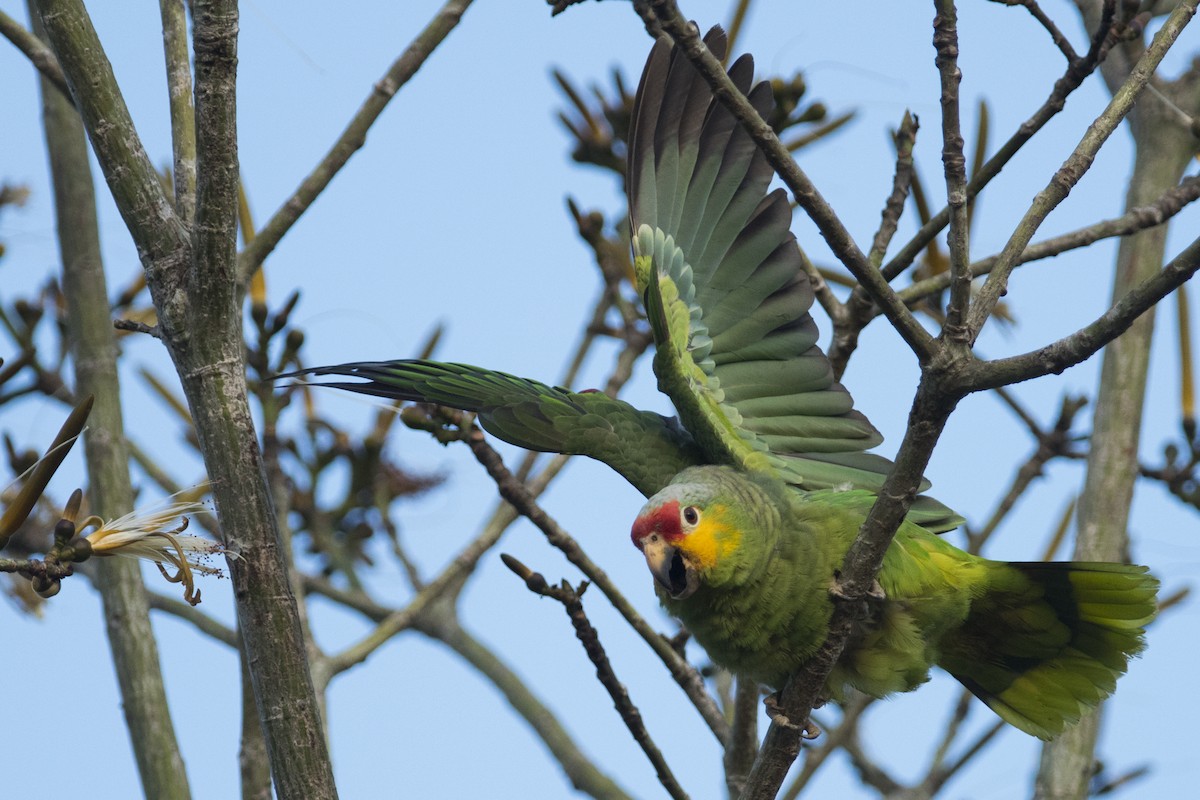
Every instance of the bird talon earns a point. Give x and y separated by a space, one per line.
810 730
875 592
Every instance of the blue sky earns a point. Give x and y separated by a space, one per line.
454 213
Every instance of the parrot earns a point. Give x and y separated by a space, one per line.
757 488
747 566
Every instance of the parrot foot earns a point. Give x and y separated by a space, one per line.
810 729
876 591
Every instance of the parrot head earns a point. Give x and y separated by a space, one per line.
689 532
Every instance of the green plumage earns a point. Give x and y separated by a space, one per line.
1040 643
727 300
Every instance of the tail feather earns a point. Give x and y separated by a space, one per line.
1046 642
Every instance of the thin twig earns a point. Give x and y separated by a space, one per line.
571 600
1076 165
41 56
1170 203
352 138
954 163
905 137
183 113
1070 80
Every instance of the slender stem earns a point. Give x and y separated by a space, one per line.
945 41
849 319
41 56
1153 214
132 179
1085 342
352 138
1076 165
183 114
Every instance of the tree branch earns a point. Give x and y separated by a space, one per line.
352 138
935 400
571 600
1076 165
90 334
945 41
1156 213
1085 342
1071 79
41 56
132 179
183 114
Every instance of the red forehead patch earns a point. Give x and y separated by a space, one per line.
663 520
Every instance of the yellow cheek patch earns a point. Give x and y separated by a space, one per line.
712 539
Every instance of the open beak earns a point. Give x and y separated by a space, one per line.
670 569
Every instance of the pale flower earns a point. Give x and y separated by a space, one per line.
156 534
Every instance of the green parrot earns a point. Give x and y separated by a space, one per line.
747 564
759 486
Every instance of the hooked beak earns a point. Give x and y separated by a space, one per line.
670 569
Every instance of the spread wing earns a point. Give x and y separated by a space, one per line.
646 448
722 277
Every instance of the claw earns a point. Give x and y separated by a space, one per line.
810 730
876 591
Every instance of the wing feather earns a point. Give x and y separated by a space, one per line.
722 277
646 448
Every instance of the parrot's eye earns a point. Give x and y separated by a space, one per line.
691 515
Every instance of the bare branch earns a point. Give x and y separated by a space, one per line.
183 114
41 56
945 41
1071 79
1076 165
571 600
132 179
1085 342
352 138
1170 203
